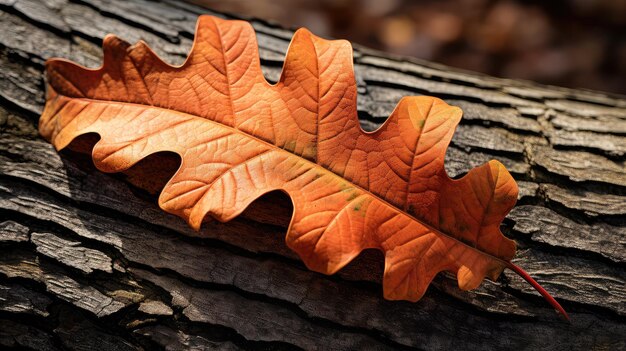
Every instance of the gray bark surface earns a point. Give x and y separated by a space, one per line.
89 262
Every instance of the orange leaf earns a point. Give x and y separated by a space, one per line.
240 137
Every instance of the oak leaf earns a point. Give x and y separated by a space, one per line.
240 137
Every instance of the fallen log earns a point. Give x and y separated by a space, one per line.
88 261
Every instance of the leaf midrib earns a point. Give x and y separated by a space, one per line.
315 164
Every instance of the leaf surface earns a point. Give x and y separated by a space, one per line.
240 137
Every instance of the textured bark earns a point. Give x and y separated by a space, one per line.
89 262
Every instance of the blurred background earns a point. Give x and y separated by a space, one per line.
572 43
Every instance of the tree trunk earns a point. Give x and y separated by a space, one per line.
89 262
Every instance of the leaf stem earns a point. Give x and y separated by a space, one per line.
546 295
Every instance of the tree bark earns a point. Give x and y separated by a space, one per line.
89 262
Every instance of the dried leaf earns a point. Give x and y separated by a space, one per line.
240 137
